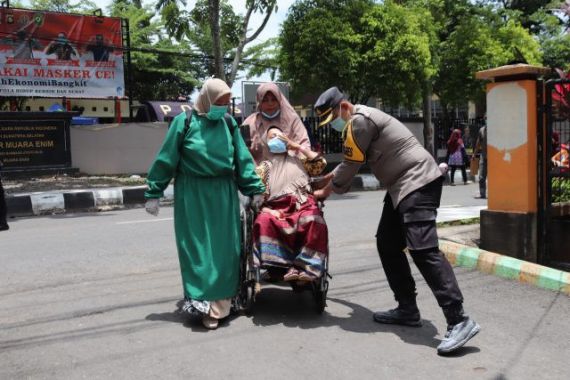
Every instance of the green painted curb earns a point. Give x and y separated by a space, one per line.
507 267
468 257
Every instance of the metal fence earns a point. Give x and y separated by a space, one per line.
554 176
323 139
469 131
328 141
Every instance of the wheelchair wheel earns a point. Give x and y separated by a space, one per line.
320 292
248 275
247 287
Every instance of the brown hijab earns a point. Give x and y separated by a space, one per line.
288 121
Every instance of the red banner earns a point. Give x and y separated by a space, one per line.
59 54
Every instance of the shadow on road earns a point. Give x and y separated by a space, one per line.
276 306
193 323
281 306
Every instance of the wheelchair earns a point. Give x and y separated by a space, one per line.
251 276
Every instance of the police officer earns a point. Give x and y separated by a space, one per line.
414 183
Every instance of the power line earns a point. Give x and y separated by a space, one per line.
200 56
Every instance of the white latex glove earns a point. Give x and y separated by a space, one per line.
257 201
151 206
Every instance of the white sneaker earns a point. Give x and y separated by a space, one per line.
457 335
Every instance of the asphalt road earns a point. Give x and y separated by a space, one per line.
94 296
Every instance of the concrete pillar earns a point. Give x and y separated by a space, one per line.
509 226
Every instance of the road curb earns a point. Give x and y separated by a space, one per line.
506 267
58 202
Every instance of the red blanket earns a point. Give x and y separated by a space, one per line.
299 238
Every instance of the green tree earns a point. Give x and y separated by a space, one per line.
319 47
548 20
477 45
396 52
367 49
533 15
213 28
557 52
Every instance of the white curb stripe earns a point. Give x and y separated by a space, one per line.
47 203
108 197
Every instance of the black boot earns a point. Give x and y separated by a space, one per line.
406 314
460 329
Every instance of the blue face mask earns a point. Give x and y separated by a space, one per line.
271 116
277 146
216 112
338 124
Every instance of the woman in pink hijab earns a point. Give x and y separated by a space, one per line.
273 109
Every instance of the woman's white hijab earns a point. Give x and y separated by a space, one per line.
211 90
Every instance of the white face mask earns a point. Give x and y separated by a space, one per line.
338 123
271 116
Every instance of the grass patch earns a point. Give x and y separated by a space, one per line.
460 222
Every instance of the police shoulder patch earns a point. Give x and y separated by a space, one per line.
351 150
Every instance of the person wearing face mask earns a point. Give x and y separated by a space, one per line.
414 183
273 109
290 237
210 162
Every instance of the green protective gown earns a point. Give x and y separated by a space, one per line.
208 171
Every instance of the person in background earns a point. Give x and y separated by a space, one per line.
560 159
210 162
456 156
273 109
555 142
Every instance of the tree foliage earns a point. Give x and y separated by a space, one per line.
474 46
547 20
397 53
367 49
213 28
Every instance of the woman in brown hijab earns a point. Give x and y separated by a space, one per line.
273 109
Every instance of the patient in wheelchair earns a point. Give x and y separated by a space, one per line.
290 236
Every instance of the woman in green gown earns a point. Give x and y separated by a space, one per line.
210 162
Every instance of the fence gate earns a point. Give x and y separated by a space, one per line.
554 175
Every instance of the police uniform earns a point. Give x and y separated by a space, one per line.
414 183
